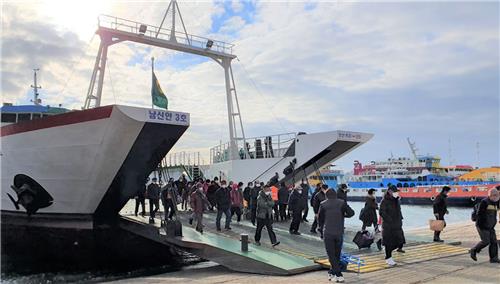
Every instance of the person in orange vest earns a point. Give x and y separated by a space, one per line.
274 196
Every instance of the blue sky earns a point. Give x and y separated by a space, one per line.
428 71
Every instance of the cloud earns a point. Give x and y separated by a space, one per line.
428 71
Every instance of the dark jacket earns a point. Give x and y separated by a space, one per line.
392 222
265 204
254 193
487 214
331 216
153 191
342 194
295 201
168 192
305 194
317 199
369 213
141 193
212 189
283 195
440 205
246 194
198 202
223 198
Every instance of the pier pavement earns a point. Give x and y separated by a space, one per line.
419 265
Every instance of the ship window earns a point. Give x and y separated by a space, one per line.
45 115
23 116
428 190
415 190
8 117
36 115
405 190
412 185
465 189
454 190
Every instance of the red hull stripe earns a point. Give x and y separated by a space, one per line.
57 120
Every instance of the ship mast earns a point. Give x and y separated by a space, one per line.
35 87
113 30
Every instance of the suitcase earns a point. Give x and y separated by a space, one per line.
363 239
173 228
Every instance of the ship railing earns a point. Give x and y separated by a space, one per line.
183 158
271 146
152 31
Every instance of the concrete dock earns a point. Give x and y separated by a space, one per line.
423 262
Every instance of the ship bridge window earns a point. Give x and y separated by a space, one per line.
23 116
8 117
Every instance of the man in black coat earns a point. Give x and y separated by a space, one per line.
342 192
317 198
305 198
485 224
254 193
295 205
153 191
223 203
392 223
283 195
331 214
440 209
141 199
211 190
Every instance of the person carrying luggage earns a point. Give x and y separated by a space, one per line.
439 207
331 215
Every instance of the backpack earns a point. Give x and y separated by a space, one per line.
473 215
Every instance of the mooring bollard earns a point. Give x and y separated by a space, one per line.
244 242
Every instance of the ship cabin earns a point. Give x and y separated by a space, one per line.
14 114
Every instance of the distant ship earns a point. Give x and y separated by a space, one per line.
420 180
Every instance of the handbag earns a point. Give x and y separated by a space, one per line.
436 225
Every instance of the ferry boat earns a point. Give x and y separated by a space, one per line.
420 179
65 174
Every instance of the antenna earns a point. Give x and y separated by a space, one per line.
35 87
413 148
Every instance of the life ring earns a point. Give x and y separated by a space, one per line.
432 198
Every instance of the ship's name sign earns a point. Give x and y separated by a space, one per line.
350 135
168 117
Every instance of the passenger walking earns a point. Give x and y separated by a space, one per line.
140 199
223 202
319 197
283 195
274 195
392 223
296 206
198 202
342 192
486 220
368 214
253 200
246 194
331 214
153 192
169 200
440 209
211 190
185 192
305 199
265 206
237 201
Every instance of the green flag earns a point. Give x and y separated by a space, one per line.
159 98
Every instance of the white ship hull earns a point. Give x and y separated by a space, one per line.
311 152
90 162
